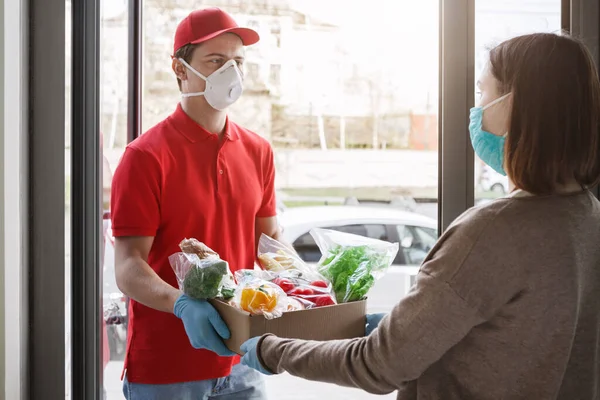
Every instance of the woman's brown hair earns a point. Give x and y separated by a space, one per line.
554 134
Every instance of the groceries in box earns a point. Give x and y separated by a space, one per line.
346 272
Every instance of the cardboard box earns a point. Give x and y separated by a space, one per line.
342 321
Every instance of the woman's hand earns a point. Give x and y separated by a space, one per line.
251 358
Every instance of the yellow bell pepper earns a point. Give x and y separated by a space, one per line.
258 300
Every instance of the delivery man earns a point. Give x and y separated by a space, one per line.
199 175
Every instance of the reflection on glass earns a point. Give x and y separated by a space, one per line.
496 21
113 138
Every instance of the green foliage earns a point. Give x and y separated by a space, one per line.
351 270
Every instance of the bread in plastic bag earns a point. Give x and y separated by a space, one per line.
201 273
352 263
276 257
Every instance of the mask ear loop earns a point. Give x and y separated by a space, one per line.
194 94
493 103
498 100
178 59
189 67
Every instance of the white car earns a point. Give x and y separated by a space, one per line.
415 233
491 181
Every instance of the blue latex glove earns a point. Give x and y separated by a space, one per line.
203 325
250 358
372 321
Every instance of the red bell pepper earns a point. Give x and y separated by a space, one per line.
302 291
285 284
324 300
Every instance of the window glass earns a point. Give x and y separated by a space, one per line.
352 115
415 243
352 229
309 251
496 21
114 22
427 237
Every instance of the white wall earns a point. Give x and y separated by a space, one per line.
13 200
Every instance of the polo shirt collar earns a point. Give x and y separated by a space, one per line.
193 131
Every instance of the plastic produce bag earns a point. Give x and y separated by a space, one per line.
352 263
200 273
260 297
308 291
296 278
276 257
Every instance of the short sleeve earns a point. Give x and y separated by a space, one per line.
268 206
135 195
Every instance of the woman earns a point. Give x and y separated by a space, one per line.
506 304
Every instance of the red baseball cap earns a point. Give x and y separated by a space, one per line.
205 24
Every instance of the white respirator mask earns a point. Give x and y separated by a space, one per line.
223 87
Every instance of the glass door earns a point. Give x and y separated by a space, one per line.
115 102
358 120
495 22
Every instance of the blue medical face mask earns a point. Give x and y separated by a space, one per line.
488 147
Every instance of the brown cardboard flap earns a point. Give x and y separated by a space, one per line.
342 321
237 321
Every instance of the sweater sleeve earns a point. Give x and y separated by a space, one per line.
420 329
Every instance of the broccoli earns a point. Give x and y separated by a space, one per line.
204 281
227 292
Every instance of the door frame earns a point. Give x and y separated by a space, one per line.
44 213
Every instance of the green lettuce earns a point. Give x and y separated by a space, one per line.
351 269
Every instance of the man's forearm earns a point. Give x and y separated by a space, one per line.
139 282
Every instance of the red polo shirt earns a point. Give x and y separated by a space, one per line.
179 181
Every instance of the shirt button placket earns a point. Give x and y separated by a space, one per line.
220 172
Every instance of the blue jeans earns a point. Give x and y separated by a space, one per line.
242 384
